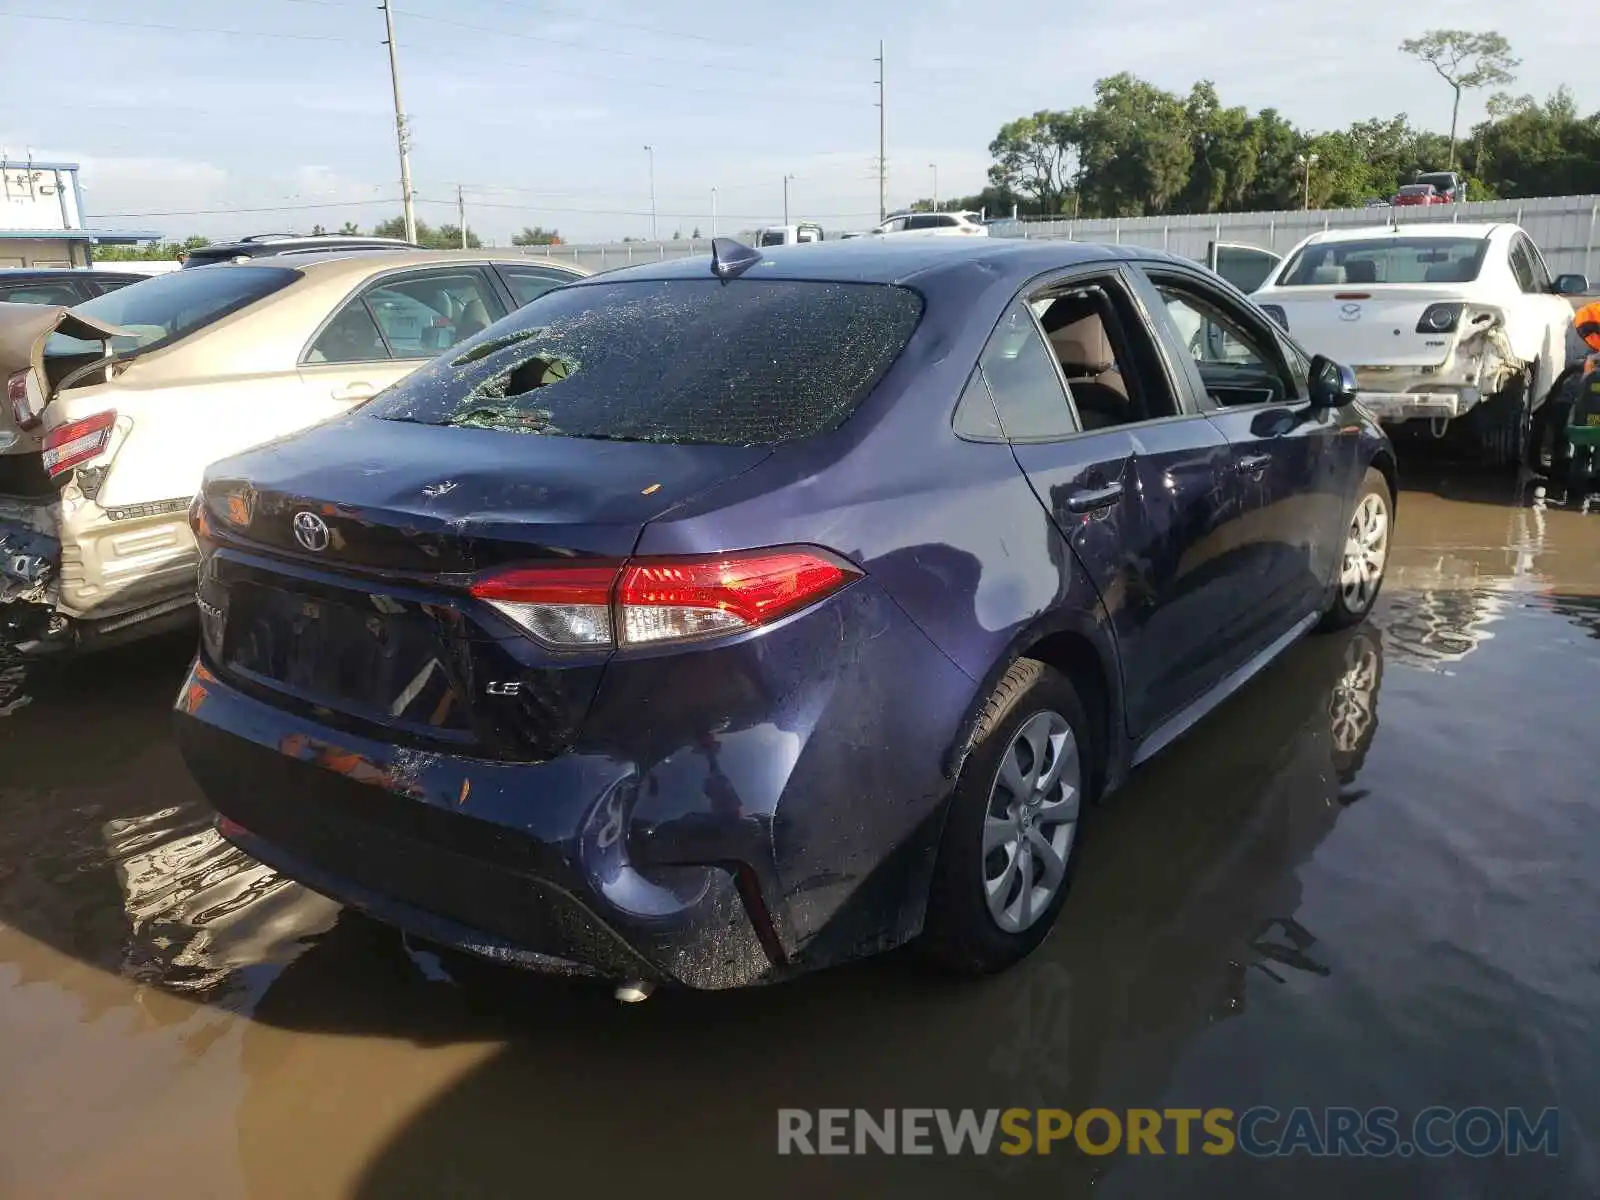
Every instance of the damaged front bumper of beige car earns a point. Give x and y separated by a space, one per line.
74 575
1478 367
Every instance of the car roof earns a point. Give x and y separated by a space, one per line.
357 264
69 272
897 260
1408 229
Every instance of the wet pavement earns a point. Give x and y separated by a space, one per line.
1369 880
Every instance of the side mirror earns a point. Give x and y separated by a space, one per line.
1333 385
1570 285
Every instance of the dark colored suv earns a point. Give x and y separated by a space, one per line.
713 621
263 245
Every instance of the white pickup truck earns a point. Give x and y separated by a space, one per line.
1457 327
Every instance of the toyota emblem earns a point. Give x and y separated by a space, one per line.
1350 312
311 531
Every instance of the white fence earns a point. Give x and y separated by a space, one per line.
1564 228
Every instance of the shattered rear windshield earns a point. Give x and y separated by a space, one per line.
746 362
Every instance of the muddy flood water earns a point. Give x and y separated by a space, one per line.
1370 880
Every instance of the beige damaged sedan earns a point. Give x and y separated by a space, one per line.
115 408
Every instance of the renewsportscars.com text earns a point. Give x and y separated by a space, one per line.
1260 1131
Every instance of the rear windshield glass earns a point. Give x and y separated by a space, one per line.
1387 260
747 362
1416 189
160 310
773 237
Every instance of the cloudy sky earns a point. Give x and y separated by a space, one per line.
186 114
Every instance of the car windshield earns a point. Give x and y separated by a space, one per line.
747 362
1386 260
159 311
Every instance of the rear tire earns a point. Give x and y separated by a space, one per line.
1506 423
1012 833
1366 554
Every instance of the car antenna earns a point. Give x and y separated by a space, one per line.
730 258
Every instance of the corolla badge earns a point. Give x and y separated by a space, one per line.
1350 312
311 531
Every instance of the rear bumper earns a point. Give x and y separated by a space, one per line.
771 807
514 862
1412 406
76 575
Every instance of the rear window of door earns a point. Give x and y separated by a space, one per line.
416 315
931 221
527 284
40 292
750 362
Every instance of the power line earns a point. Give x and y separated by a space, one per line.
222 212
528 37
254 33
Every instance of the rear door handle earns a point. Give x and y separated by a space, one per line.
355 391
1253 464
1095 498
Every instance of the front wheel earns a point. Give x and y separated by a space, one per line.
1011 837
1366 554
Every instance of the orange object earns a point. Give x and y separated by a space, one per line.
1587 320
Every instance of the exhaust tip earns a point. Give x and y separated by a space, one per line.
634 991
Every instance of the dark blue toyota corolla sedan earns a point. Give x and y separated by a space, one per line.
717 620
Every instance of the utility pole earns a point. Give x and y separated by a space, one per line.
654 235
713 212
786 179
934 167
461 215
401 129
883 143
1306 161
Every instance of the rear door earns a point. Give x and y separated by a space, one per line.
393 325
1289 462
1136 483
1246 267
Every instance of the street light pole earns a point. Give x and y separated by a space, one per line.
1306 163
713 212
934 167
401 131
655 235
786 179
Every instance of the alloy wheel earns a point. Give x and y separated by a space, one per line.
1365 551
1032 820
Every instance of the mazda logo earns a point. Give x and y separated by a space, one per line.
1350 312
311 531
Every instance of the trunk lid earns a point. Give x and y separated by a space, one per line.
1366 324
361 615
31 382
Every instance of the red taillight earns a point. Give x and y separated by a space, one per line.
649 601
75 443
25 407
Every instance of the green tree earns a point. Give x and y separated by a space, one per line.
351 229
318 231
1134 148
1033 157
1225 153
445 237
1464 60
537 235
